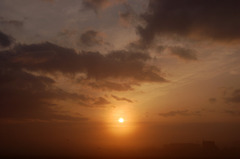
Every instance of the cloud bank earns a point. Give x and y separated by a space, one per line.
28 92
208 19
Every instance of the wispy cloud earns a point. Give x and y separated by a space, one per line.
180 113
122 99
183 53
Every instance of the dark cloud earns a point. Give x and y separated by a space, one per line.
51 1
235 97
160 48
212 100
101 101
96 5
233 112
27 93
26 96
125 18
138 45
109 85
122 99
92 102
91 38
47 57
7 23
199 18
5 40
180 113
183 53
62 117
128 17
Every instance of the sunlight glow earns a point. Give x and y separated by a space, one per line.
121 120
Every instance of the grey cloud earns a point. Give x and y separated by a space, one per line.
183 53
122 99
91 38
128 17
160 48
24 95
233 112
180 113
212 100
51 1
211 19
96 5
234 97
51 58
125 18
5 40
110 85
7 23
101 101
66 117
92 102
27 96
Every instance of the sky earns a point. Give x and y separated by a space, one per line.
70 69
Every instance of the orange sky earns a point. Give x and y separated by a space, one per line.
70 69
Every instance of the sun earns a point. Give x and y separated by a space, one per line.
121 120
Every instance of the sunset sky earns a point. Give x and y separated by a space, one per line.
69 69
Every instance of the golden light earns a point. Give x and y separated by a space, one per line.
121 120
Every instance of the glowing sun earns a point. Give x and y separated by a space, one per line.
121 120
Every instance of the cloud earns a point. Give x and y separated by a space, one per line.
5 40
96 5
27 96
232 112
125 18
101 101
23 95
235 97
67 117
183 53
180 113
110 85
212 100
26 92
8 23
92 102
216 20
128 17
51 1
50 58
122 99
91 38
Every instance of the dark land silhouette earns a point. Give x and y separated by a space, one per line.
205 150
